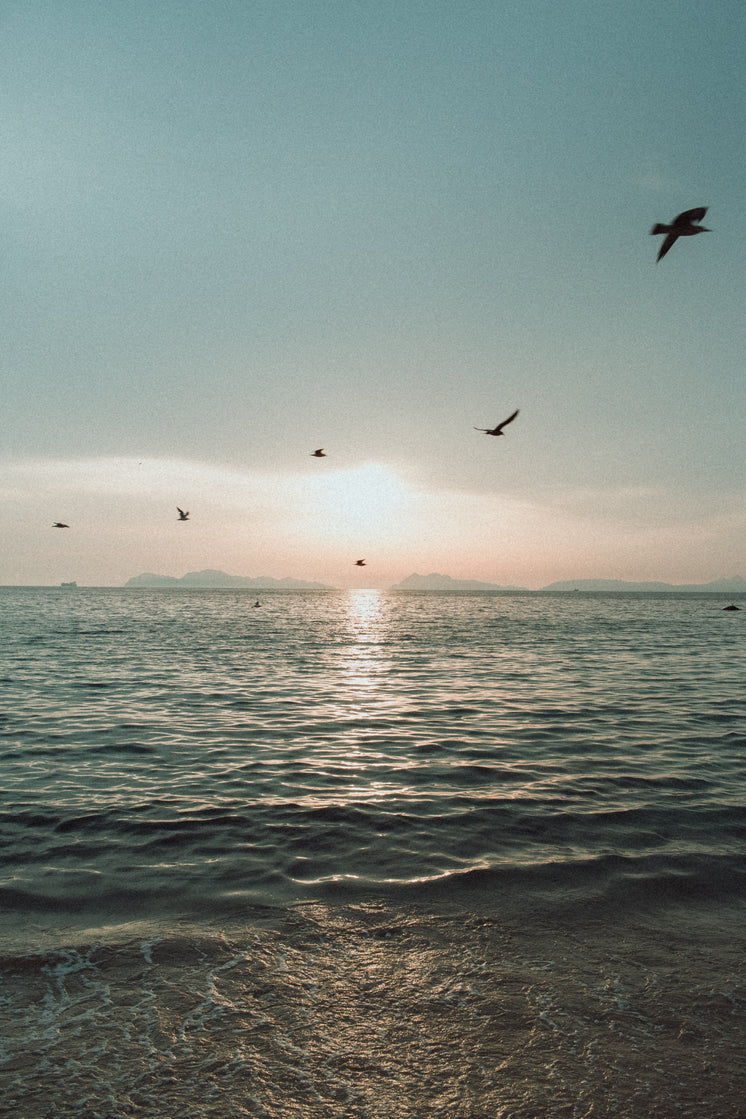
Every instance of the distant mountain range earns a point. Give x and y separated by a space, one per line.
435 582
211 578
725 586
432 582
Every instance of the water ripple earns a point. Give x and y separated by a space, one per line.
165 746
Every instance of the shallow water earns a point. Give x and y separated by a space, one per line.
372 854
379 1011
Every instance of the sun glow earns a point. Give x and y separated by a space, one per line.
367 500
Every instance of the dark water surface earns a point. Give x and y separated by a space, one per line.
372 854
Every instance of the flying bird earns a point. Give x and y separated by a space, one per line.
360 563
182 515
318 454
682 226
499 429
59 524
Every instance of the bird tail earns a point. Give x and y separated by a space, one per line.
658 228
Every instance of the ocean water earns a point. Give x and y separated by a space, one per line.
371 854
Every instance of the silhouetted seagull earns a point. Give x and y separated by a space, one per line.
257 603
318 454
59 524
499 429
360 563
681 226
182 515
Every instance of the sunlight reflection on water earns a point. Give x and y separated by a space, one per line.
371 735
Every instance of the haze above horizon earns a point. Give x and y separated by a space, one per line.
238 233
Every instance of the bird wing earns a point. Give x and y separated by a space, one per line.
178 510
666 245
486 430
508 421
690 216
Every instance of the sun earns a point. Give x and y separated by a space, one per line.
367 499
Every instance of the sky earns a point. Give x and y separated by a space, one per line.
237 231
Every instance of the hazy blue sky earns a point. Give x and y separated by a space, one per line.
238 230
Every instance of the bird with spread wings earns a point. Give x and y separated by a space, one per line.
498 430
684 225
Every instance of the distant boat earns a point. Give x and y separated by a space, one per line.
71 584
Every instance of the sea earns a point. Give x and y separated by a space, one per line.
372 854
